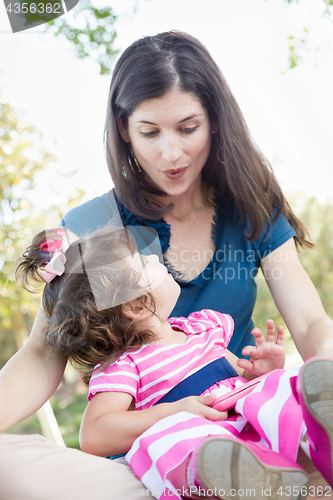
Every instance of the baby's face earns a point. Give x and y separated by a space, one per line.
156 278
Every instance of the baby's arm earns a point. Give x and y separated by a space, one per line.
266 356
110 426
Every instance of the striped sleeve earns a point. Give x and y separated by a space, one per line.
216 320
121 376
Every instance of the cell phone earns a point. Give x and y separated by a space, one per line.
228 400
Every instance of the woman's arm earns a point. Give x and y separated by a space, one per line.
32 375
29 378
110 425
298 302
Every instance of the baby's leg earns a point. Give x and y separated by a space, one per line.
315 392
273 410
184 477
179 455
229 467
158 457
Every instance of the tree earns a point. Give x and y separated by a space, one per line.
92 33
21 158
318 262
318 217
297 43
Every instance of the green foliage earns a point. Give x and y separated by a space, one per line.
294 58
318 262
318 217
296 45
21 157
92 34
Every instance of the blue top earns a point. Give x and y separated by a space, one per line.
228 283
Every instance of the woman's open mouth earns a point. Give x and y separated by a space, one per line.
175 174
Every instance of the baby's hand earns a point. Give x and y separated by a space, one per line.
200 405
268 355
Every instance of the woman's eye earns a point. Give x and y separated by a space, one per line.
152 133
189 130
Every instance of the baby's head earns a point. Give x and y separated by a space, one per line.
89 285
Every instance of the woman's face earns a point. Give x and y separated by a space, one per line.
171 139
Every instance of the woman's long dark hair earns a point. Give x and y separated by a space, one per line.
150 68
95 267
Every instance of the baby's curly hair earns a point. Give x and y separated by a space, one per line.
95 266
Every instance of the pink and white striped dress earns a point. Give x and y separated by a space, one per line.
270 414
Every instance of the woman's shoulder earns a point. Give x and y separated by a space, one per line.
92 215
275 231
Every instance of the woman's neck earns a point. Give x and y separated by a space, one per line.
197 197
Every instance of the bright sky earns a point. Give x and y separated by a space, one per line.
290 115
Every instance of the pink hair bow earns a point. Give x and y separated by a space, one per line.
56 265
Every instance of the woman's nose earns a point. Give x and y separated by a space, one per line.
171 150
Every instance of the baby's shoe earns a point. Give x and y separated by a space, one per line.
315 392
228 467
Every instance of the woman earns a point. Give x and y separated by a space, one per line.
183 162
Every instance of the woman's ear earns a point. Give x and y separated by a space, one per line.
135 310
214 127
123 130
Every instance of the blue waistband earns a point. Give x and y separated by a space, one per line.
197 383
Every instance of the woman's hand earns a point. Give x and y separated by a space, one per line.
268 355
200 406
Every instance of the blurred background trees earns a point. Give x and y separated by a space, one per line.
91 34
21 158
299 42
318 262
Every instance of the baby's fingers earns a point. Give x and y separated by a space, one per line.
215 415
280 335
271 334
250 350
246 364
207 411
258 335
207 399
